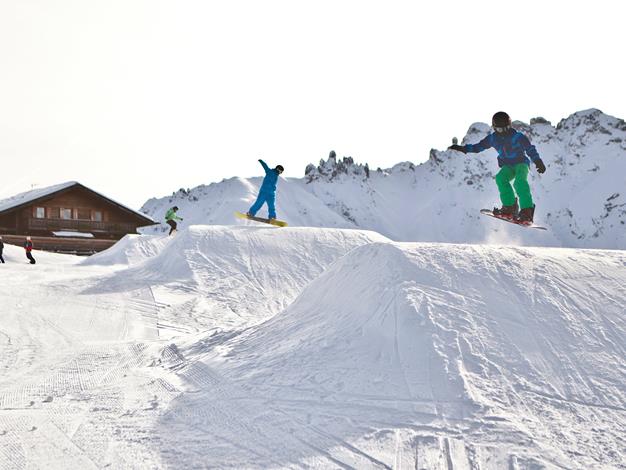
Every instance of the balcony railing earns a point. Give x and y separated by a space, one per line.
80 225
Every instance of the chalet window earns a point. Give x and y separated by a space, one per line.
84 214
54 213
96 216
40 212
66 214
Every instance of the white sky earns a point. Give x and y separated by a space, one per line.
138 98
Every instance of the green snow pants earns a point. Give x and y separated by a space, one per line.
504 177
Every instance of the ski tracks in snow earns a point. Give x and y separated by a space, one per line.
76 369
240 429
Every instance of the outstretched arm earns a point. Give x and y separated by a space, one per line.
264 165
473 148
480 146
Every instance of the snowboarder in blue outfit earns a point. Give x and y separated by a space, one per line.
514 150
267 193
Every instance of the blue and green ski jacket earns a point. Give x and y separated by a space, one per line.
512 147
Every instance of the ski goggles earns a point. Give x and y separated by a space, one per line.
501 130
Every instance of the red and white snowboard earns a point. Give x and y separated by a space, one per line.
511 221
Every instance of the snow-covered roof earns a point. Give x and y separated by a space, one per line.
34 194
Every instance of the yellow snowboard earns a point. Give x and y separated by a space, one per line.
278 223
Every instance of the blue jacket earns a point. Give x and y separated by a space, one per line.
512 147
270 180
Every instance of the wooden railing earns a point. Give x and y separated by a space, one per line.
81 225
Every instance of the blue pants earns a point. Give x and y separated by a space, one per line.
270 198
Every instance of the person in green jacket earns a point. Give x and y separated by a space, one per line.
171 218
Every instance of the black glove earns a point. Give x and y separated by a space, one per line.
458 148
541 168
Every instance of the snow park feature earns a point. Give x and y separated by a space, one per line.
253 347
229 276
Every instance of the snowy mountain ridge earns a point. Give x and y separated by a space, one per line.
581 198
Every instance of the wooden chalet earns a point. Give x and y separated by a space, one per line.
67 218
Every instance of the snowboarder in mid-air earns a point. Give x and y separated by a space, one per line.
267 193
515 152
171 218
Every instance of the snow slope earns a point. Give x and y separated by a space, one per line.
131 249
581 197
216 204
259 347
401 354
228 276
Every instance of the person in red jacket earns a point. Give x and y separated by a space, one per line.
28 246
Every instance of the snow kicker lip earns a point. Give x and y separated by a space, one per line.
391 349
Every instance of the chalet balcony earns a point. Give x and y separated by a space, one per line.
80 226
